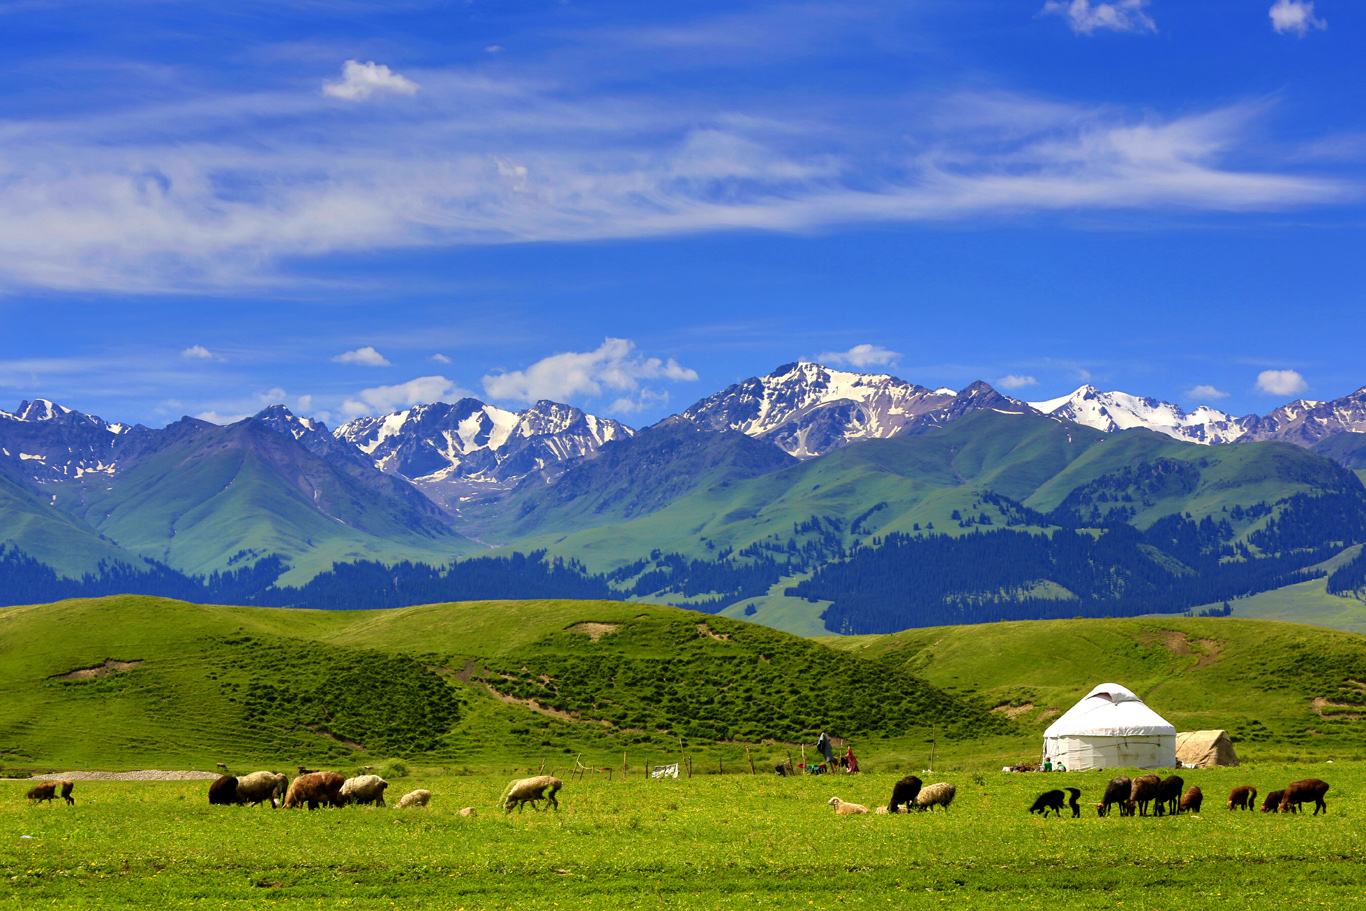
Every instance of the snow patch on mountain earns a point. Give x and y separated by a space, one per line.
1114 411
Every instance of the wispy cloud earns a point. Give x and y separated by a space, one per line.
615 366
1281 382
441 358
382 399
365 356
1086 17
1294 17
363 80
865 355
1205 392
1016 381
197 353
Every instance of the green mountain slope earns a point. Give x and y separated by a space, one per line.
50 536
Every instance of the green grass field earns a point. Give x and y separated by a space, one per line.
733 841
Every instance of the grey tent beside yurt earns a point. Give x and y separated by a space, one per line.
1201 749
1110 728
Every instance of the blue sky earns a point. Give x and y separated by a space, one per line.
348 206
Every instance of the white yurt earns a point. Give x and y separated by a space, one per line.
1110 729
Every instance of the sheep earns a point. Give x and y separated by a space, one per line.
904 793
46 791
1297 792
315 789
1116 794
846 809
1142 793
1243 797
1191 800
259 787
416 798
530 790
1169 795
1272 802
1049 800
223 791
66 792
939 794
364 789
468 812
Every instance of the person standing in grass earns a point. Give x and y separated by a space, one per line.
850 761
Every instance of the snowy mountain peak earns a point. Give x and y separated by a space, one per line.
40 410
1113 411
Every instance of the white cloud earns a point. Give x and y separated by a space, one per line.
1016 381
1295 16
197 353
864 355
1117 16
1205 391
613 365
383 399
361 80
643 399
493 49
1281 382
365 356
215 417
441 358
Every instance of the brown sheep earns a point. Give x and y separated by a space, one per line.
46 791
315 789
1243 797
1116 794
1272 803
223 791
1169 795
530 790
1191 800
1298 792
1144 792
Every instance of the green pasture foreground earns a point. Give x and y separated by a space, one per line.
735 841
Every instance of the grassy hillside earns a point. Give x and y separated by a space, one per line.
51 536
1278 688
464 683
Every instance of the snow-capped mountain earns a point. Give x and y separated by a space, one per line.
1306 422
807 409
1112 411
451 449
47 442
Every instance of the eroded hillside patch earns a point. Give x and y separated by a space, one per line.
106 668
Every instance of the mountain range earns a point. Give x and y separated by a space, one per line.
767 497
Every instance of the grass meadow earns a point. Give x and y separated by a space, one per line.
714 841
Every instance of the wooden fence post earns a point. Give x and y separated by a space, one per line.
751 761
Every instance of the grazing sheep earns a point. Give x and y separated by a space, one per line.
1272 803
1297 792
530 790
1191 800
1049 800
66 792
315 789
1116 794
223 791
846 809
259 787
416 798
364 789
468 812
904 793
1143 792
939 794
1169 795
43 792
1243 798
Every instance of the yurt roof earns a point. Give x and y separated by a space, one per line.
1109 710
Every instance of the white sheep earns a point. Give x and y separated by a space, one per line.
467 812
416 798
846 809
364 789
530 790
939 794
259 787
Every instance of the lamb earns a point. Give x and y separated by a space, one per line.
259 787
467 812
1116 794
364 789
416 798
1297 792
939 794
315 789
43 792
1144 790
530 790
846 809
904 793
1243 798
1272 803
1169 795
223 791
1191 800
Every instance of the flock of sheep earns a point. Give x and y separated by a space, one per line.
1165 796
329 789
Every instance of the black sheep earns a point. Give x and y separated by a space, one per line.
904 793
223 791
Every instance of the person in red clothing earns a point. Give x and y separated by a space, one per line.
850 761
